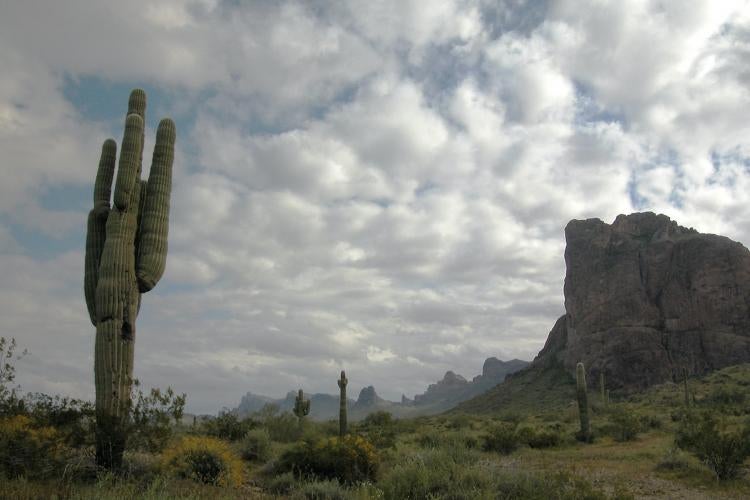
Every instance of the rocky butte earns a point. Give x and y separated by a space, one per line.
646 298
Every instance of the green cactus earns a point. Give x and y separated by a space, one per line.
342 404
583 404
601 388
126 251
685 382
301 407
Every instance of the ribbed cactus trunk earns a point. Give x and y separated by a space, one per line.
126 250
301 408
342 404
583 403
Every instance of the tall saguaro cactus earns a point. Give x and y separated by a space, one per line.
583 403
301 407
126 252
342 404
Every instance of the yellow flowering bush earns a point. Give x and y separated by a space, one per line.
203 459
26 449
349 459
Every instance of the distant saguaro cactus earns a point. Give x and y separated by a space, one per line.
685 383
601 388
126 252
301 407
342 403
583 404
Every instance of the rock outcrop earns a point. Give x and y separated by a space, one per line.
645 298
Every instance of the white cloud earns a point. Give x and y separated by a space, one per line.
380 187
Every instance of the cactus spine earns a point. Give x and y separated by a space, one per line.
583 403
301 407
342 404
126 251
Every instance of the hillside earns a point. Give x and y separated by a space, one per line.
645 301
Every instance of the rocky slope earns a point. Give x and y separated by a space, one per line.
453 388
645 298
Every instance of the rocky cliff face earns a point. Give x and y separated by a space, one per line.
645 298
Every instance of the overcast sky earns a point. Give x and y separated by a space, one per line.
378 186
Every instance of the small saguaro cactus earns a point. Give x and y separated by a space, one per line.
342 403
583 404
601 388
685 383
126 252
301 407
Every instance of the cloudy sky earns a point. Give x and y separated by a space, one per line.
378 186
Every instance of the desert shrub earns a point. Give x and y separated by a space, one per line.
10 402
561 486
228 426
203 459
429 438
379 428
349 459
73 419
673 459
281 427
722 451
256 445
153 418
624 424
434 474
502 438
378 418
328 489
544 438
28 450
458 422
281 484
726 396
649 421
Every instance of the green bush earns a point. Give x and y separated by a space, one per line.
282 484
281 427
561 486
228 426
624 424
203 459
435 474
27 450
153 419
349 459
256 445
502 438
545 438
379 428
73 419
329 489
722 451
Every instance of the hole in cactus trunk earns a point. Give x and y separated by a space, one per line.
127 331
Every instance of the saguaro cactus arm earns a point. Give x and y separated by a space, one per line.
97 222
152 249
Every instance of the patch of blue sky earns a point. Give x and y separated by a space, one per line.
588 110
639 202
39 245
101 100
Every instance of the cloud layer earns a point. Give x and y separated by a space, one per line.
380 187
